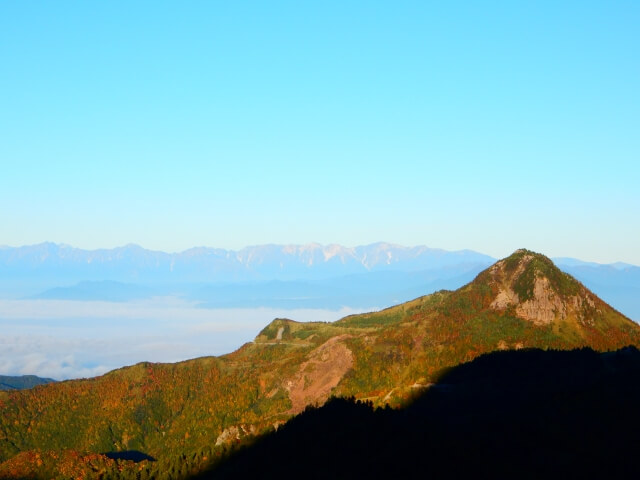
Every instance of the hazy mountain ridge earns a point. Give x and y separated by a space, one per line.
362 290
329 276
281 262
21 382
184 413
617 284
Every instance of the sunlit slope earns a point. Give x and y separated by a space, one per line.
169 411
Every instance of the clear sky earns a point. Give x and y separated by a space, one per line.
482 125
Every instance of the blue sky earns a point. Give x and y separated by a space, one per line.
482 125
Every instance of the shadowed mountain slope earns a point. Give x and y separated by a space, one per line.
517 414
187 411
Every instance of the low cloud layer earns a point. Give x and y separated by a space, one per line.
70 339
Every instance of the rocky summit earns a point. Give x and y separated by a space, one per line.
540 293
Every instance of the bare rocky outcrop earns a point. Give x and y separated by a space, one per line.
235 433
545 304
505 298
498 269
542 309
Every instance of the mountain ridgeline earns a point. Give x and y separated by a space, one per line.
188 415
133 263
21 382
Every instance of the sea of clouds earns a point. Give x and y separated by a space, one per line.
73 339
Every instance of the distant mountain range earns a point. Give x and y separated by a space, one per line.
133 263
22 382
284 276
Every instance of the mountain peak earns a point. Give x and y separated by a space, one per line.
538 291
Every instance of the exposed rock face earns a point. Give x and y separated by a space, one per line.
505 298
322 372
545 303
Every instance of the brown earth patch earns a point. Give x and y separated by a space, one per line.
321 373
